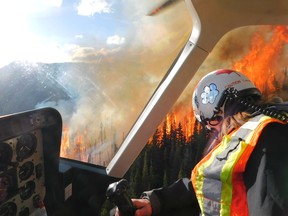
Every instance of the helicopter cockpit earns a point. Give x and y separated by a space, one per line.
91 90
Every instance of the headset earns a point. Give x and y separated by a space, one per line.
277 111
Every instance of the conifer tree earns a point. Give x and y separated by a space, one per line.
145 172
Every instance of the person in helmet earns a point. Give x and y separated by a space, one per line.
244 170
209 96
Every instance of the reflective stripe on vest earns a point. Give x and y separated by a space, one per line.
217 179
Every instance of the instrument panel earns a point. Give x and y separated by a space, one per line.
22 163
21 174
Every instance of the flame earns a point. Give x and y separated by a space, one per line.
189 123
73 147
260 63
83 146
171 122
180 115
64 142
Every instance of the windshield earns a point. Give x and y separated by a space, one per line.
97 62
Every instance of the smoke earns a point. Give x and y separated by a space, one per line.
111 89
114 89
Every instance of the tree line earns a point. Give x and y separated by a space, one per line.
168 156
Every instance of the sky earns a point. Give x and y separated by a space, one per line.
66 29
61 28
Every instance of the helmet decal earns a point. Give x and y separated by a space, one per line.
224 71
209 94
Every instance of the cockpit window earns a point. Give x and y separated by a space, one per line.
96 61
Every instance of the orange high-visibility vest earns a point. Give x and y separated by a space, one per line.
218 178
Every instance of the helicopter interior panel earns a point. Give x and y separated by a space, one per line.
29 148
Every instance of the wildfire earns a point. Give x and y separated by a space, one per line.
182 114
65 141
260 64
171 121
82 145
74 148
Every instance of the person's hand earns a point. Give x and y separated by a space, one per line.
143 207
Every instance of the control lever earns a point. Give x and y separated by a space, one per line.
117 194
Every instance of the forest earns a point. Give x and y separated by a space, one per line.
168 156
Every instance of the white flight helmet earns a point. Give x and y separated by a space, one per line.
207 107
